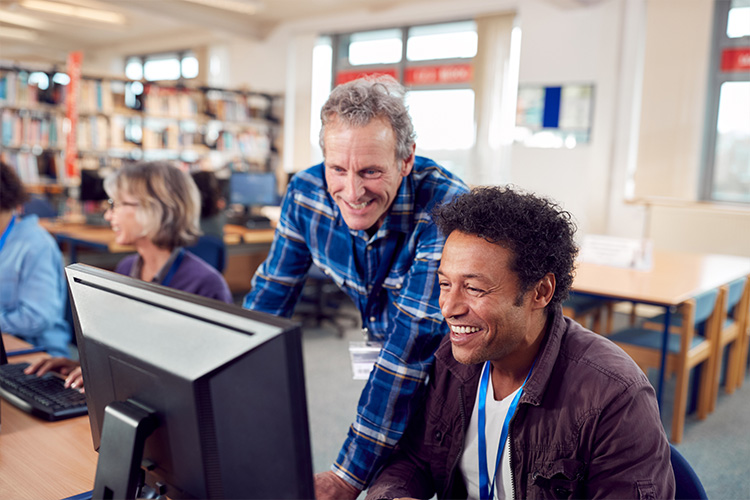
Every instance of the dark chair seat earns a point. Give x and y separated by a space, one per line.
212 250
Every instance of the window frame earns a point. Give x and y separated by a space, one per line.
341 62
180 55
720 42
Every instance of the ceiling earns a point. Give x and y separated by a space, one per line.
28 34
145 26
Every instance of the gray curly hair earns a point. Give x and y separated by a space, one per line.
358 102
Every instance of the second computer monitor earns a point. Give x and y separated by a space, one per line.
92 185
253 189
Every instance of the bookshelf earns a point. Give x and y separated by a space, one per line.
121 120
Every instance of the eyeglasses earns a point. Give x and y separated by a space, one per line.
113 205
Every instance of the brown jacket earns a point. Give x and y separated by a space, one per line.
587 426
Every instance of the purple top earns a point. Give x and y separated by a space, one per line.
194 275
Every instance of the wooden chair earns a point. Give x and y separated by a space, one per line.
693 346
581 307
730 335
744 344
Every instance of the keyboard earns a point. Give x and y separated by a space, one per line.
45 396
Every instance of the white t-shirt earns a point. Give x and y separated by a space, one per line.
495 412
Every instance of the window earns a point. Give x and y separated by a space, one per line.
434 62
727 152
442 41
161 67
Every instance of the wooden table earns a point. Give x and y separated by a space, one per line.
673 278
39 459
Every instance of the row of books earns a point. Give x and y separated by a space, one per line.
33 168
237 107
24 130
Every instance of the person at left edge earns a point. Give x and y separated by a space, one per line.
361 215
33 292
155 207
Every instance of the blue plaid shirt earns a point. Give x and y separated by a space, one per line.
405 316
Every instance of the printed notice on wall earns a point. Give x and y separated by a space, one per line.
558 116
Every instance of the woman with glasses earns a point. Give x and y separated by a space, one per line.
154 207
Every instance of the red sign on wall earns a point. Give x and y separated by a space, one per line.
71 113
443 73
735 59
348 76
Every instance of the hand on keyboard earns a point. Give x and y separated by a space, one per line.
61 365
43 396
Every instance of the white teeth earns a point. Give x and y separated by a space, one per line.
359 206
464 329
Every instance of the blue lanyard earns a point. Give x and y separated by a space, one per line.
7 231
173 268
486 488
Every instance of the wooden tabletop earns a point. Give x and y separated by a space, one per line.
39 459
105 237
673 278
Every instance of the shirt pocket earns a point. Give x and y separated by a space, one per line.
438 440
561 478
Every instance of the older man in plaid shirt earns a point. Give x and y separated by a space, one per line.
362 216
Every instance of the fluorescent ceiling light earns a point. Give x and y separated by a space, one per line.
248 7
65 9
22 20
17 34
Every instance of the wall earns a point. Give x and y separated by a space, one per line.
699 227
675 82
574 45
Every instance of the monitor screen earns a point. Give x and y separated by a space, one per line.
223 388
92 185
253 189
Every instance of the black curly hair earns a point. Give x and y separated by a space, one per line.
535 229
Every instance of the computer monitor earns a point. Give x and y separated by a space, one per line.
92 185
253 189
204 398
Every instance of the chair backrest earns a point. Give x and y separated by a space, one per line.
40 207
734 294
705 304
687 483
212 250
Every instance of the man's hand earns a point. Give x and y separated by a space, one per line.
328 486
64 366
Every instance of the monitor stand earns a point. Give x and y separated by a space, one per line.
124 431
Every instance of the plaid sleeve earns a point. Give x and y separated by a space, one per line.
279 280
415 328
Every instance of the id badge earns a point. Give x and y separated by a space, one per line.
363 356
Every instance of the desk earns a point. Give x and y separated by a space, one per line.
238 239
43 460
673 278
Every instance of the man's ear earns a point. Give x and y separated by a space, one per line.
408 163
544 291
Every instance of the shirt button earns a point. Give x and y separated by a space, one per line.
369 247
398 286
373 319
